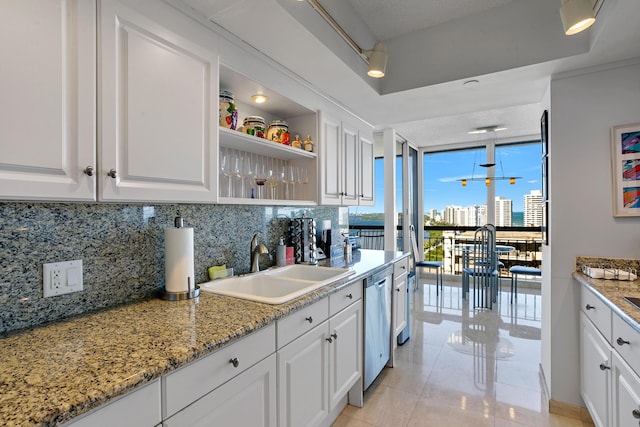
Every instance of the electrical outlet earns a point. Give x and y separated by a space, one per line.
59 278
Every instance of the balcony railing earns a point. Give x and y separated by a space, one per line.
445 243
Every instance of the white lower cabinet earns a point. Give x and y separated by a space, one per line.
316 370
609 365
247 400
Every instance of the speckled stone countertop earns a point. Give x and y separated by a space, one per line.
52 373
612 292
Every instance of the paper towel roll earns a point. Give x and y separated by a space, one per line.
178 255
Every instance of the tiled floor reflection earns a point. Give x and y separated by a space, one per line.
462 367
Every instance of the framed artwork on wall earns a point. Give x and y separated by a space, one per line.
625 168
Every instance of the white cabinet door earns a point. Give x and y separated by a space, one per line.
247 400
47 114
330 153
595 372
350 165
345 351
399 304
625 394
303 377
158 111
366 163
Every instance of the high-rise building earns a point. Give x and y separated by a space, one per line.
503 212
433 214
533 209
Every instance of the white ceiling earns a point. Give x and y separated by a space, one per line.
512 47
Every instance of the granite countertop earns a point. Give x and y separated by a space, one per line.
52 373
612 292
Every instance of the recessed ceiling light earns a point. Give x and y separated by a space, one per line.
485 129
259 98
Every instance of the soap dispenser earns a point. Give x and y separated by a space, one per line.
281 253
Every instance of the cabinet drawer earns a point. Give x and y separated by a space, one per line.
138 408
345 297
301 321
184 386
597 311
401 267
626 341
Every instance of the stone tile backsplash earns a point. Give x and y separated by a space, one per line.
122 248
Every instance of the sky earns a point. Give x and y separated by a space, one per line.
442 170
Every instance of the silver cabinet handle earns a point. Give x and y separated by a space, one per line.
589 307
112 173
235 362
620 341
309 319
89 171
604 367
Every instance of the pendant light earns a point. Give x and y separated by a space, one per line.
576 15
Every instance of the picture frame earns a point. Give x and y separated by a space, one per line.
625 169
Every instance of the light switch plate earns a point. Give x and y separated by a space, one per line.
59 278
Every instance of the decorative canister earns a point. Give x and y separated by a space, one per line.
279 132
254 125
227 110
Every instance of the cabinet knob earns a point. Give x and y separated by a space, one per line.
604 367
636 413
334 335
350 296
309 319
234 362
589 307
620 341
112 173
397 289
89 171
329 339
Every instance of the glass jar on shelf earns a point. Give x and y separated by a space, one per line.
227 110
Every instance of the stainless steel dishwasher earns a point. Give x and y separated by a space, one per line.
377 324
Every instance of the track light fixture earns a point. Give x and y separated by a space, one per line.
377 60
576 15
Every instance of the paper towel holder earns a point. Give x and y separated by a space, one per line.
192 290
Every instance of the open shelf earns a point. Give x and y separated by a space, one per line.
245 142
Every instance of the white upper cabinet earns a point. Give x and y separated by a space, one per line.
158 95
346 169
47 111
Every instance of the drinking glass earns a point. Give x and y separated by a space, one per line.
247 174
237 170
303 177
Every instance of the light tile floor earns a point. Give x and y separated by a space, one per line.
462 366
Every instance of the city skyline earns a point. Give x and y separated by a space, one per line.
442 172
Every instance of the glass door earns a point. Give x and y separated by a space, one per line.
407 196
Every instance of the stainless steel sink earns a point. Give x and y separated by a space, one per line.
278 285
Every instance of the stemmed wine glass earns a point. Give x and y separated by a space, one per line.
260 175
226 168
247 173
289 178
303 177
274 177
237 170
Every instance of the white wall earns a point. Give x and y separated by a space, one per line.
583 109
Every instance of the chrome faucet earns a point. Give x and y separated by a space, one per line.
256 250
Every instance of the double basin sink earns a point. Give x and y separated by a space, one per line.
277 285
